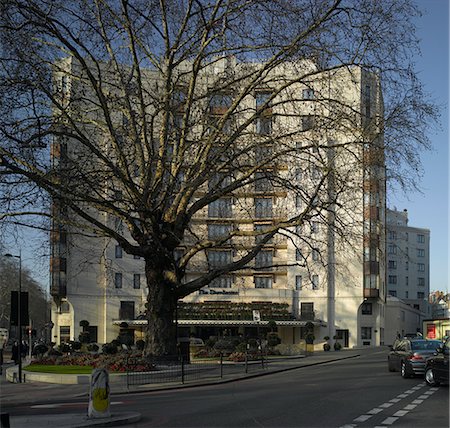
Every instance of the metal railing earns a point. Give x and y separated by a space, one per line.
179 369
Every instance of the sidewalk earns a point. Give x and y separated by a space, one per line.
80 420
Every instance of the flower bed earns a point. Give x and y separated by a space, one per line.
113 363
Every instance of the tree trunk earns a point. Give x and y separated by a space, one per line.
161 335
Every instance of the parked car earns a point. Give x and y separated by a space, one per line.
436 367
408 356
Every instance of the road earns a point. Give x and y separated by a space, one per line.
358 392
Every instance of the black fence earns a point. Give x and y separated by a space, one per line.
179 369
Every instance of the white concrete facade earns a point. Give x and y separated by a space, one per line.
343 287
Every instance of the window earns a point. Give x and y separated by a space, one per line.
406 294
263 207
118 252
392 293
298 175
392 264
264 125
315 173
298 202
366 333
392 235
263 181
308 94
392 279
407 265
298 255
421 282
420 252
263 281
137 281
118 280
406 281
307 310
221 282
218 231
64 333
219 181
420 295
220 101
315 227
118 225
126 311
392 249
264 260
261 98
218 259
260 228
421 267
307 122
298 282
64 308
366 308
315 282
315 254
407 236
421 239
220 208
298 230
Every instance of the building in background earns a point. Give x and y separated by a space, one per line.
401 319
309 275
408 261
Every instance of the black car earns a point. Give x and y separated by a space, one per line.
408 356
436 367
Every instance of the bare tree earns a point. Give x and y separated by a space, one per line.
131 120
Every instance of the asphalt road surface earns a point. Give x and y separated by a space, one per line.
358 392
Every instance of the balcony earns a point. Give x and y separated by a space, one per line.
371 293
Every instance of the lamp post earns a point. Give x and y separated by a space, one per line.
19 317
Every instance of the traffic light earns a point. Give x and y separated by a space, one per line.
24 318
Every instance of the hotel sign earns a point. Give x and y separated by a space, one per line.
211 291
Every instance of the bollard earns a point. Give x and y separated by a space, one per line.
99 394
4 420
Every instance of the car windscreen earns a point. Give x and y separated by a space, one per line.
425 345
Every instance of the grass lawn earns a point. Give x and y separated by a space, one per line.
41 368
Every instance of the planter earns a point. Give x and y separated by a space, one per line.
326 347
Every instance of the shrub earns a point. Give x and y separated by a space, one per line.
93 347
273 339
309 339
140 345
84 337
84 324
64 348
75 345
211 342
40 349
242 347
109 348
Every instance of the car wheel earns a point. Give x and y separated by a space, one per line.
404 370
429 377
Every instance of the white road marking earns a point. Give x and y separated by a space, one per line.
375 411
401 413
395 400
410 407
389 421
423 397
417 402
386 405
402 395
362 418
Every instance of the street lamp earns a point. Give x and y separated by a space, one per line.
19 317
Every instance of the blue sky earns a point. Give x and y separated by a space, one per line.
430 208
